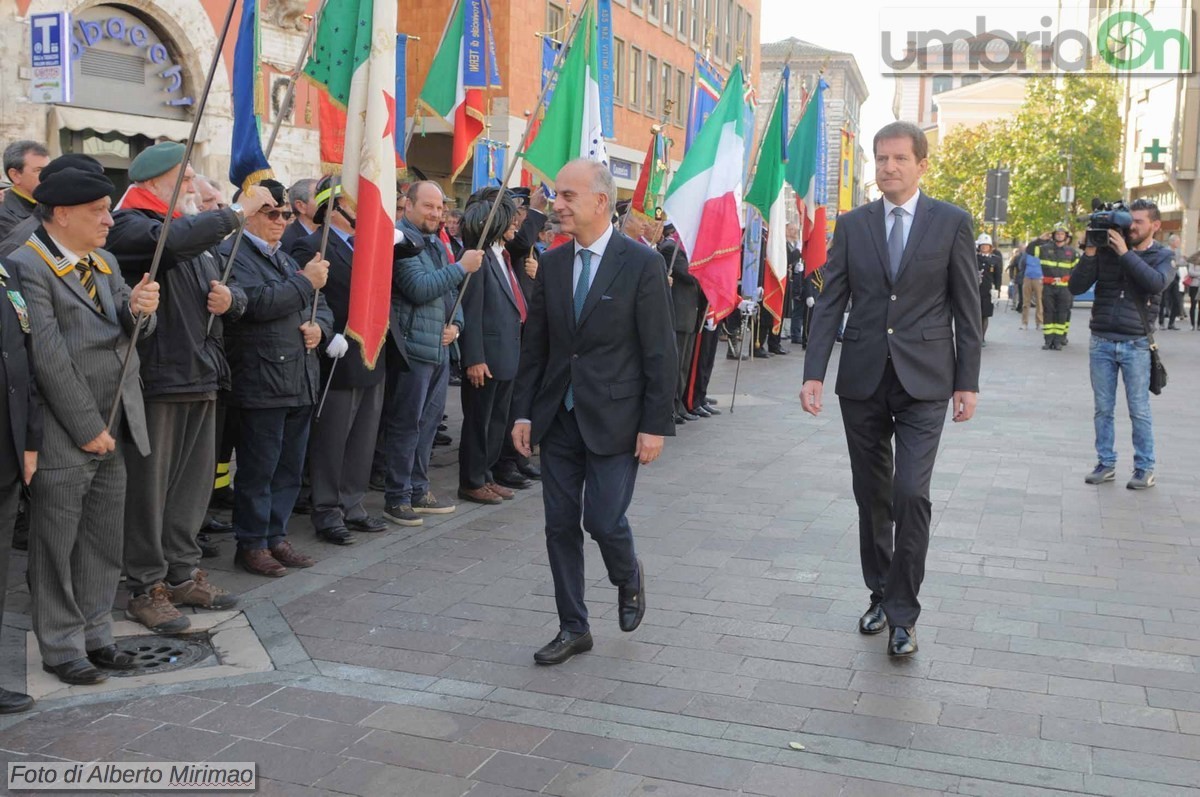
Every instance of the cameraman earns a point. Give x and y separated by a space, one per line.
1130 274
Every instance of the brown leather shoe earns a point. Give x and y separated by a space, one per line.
503 492
479 495
259 562
288 556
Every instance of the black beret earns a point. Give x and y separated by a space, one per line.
278 192
72 186
72 161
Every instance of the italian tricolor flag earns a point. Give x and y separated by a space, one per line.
704 201
354 66
767 194
802 165
447 95
572 126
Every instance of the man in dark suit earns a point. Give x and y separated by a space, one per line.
912 342
685 302
595 388
20 437
303 208
493 311
343 436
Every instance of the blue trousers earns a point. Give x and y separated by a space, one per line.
270 465
1131 359
412 409
581 490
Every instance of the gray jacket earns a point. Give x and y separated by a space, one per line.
77 354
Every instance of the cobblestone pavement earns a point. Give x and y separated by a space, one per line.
1059 642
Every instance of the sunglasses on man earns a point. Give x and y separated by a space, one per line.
275 214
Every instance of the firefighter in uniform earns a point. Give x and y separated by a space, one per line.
991 270
1058 257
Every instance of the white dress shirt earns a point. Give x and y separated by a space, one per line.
910 207
597 248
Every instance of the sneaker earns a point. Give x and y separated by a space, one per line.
153 609
199 591
402 515
1142 479
1102 473
428 504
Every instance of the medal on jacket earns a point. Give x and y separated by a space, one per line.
18 303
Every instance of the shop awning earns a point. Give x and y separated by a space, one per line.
71 118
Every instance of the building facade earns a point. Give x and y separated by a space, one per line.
843 102
140 66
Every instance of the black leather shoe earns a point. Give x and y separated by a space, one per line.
687 416
215 526
873 620
733 355
631 602
79 672
531 470
679 421
761 354
778 350
701 411
111 657
208 548
14 702
442 439
513 479
712 410
368 525
902 641
338 535
563 647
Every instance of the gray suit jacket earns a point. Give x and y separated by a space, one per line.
77 354
927 320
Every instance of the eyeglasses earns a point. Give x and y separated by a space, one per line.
274 215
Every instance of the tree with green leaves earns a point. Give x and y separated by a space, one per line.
1074 115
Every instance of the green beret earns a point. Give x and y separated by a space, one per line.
156 160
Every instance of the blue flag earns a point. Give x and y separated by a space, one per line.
401 95
550 50
247 163
488 165
821 178
706 91
751 248
604 25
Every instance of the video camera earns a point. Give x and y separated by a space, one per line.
1107 216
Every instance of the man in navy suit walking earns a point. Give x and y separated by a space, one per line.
595 388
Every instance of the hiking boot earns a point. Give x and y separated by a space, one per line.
288 556
153 609
1102 473
402 515
259 562
1142 479
428 504
199 591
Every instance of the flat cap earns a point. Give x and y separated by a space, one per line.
72 186
153 161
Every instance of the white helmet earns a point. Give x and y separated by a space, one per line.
983 238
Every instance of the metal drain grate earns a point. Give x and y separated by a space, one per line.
153 653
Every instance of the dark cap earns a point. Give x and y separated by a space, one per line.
72 186
72 161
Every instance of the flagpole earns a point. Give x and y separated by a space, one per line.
334 182
408 134
510 167
161 244
288 96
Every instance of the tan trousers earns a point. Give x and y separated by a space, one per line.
1031 288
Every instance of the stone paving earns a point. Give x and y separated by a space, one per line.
1059 642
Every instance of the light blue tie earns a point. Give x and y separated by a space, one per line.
896 241
581 292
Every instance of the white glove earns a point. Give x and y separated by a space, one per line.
337 347
810 301
748 307
397 237
710 324
798 268
758 295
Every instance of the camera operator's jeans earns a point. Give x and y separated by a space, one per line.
1130 358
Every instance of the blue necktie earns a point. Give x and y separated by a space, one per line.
581 292
896 241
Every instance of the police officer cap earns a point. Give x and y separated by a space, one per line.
154 161
72 186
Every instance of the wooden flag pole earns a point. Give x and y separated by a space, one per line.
161 245
288 96
510 168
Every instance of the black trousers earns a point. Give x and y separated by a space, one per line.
484 426
892 490
685 344
709 342
582 490
10 495
1056 315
